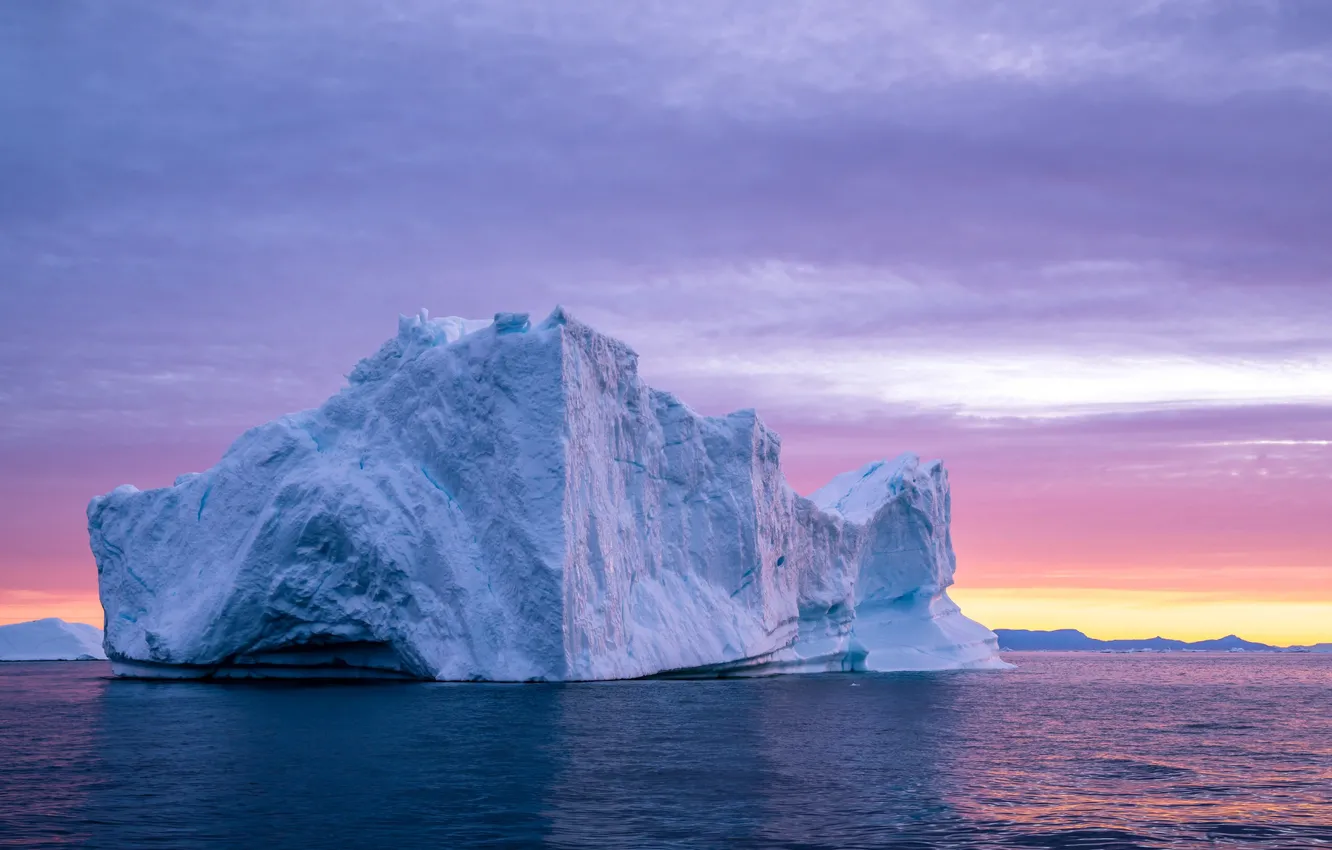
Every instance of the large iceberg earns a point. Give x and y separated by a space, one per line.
505 501
51 639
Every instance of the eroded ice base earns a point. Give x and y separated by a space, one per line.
343 661
909 635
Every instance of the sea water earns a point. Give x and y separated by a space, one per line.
1068 750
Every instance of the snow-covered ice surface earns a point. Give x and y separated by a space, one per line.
51 639
510 502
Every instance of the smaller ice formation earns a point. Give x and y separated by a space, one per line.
51 639
507 500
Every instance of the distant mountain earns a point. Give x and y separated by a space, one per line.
51 639
1023 640
1232 642
1066 640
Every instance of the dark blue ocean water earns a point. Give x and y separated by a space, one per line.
1085 751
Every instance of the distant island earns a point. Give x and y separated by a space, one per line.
1072 640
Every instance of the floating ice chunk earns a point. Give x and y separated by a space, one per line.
508 501
51 639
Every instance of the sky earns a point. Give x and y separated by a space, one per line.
1078 250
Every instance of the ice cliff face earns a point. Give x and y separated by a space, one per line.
509 502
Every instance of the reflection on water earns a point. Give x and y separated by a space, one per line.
1067 751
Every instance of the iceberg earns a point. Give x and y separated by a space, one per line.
51 639
508 501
